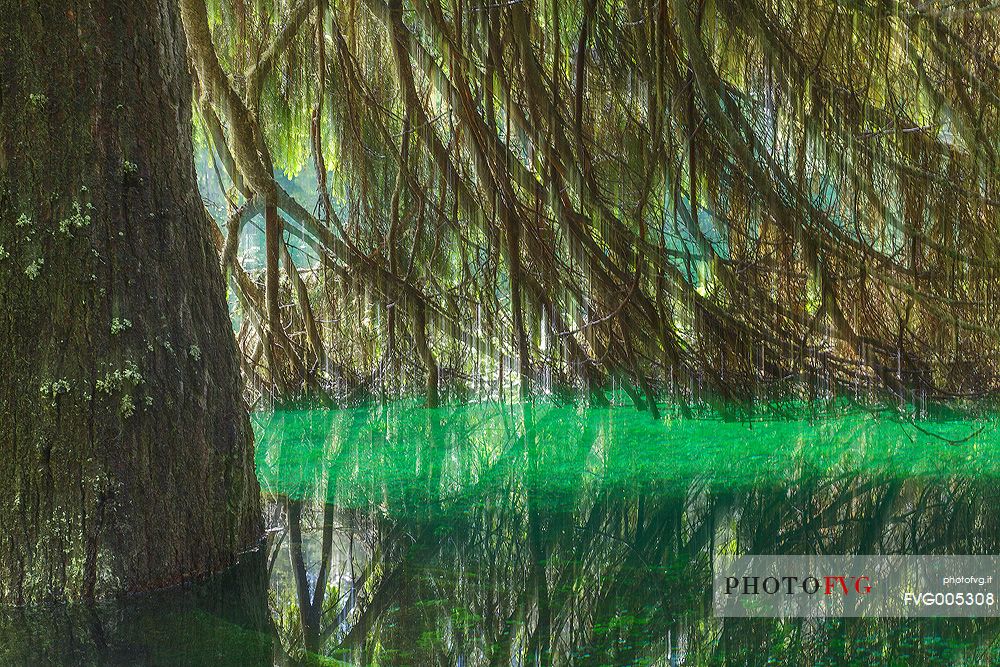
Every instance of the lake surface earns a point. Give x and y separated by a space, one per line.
512 535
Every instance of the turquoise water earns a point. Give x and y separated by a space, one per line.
515 535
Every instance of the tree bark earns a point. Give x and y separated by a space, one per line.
126 455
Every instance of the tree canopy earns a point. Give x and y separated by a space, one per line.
722 198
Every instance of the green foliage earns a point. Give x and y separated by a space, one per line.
296 449
746 199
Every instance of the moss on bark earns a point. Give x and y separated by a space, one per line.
126 460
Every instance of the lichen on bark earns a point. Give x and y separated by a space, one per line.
123 466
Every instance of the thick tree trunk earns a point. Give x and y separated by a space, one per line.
126 457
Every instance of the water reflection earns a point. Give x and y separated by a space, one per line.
488 535
225 621
495 537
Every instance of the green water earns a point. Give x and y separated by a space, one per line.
512 535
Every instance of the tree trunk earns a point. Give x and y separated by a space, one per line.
126 456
